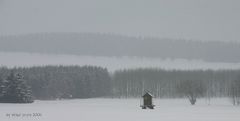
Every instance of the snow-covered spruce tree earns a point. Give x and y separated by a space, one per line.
1 88
15 90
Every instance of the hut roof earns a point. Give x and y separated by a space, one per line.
147 93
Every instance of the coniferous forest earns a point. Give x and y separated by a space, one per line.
58 82
23 85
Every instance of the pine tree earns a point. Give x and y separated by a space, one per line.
1 87
15 90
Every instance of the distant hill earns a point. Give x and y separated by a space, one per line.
94 44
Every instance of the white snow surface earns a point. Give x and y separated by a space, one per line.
18 59
219 109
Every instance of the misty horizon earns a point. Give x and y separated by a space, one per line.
110 45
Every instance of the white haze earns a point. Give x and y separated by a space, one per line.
180 19
111 63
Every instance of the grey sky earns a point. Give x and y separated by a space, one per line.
181 19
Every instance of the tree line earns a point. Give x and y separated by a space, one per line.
177 83
68 82
58 82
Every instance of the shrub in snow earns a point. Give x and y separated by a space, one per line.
191 89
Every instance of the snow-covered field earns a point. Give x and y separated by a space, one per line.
11 59
121 110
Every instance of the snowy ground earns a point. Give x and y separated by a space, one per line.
11 59
121 110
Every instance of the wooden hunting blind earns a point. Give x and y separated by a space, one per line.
147 101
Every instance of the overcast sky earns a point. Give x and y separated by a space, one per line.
181 19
